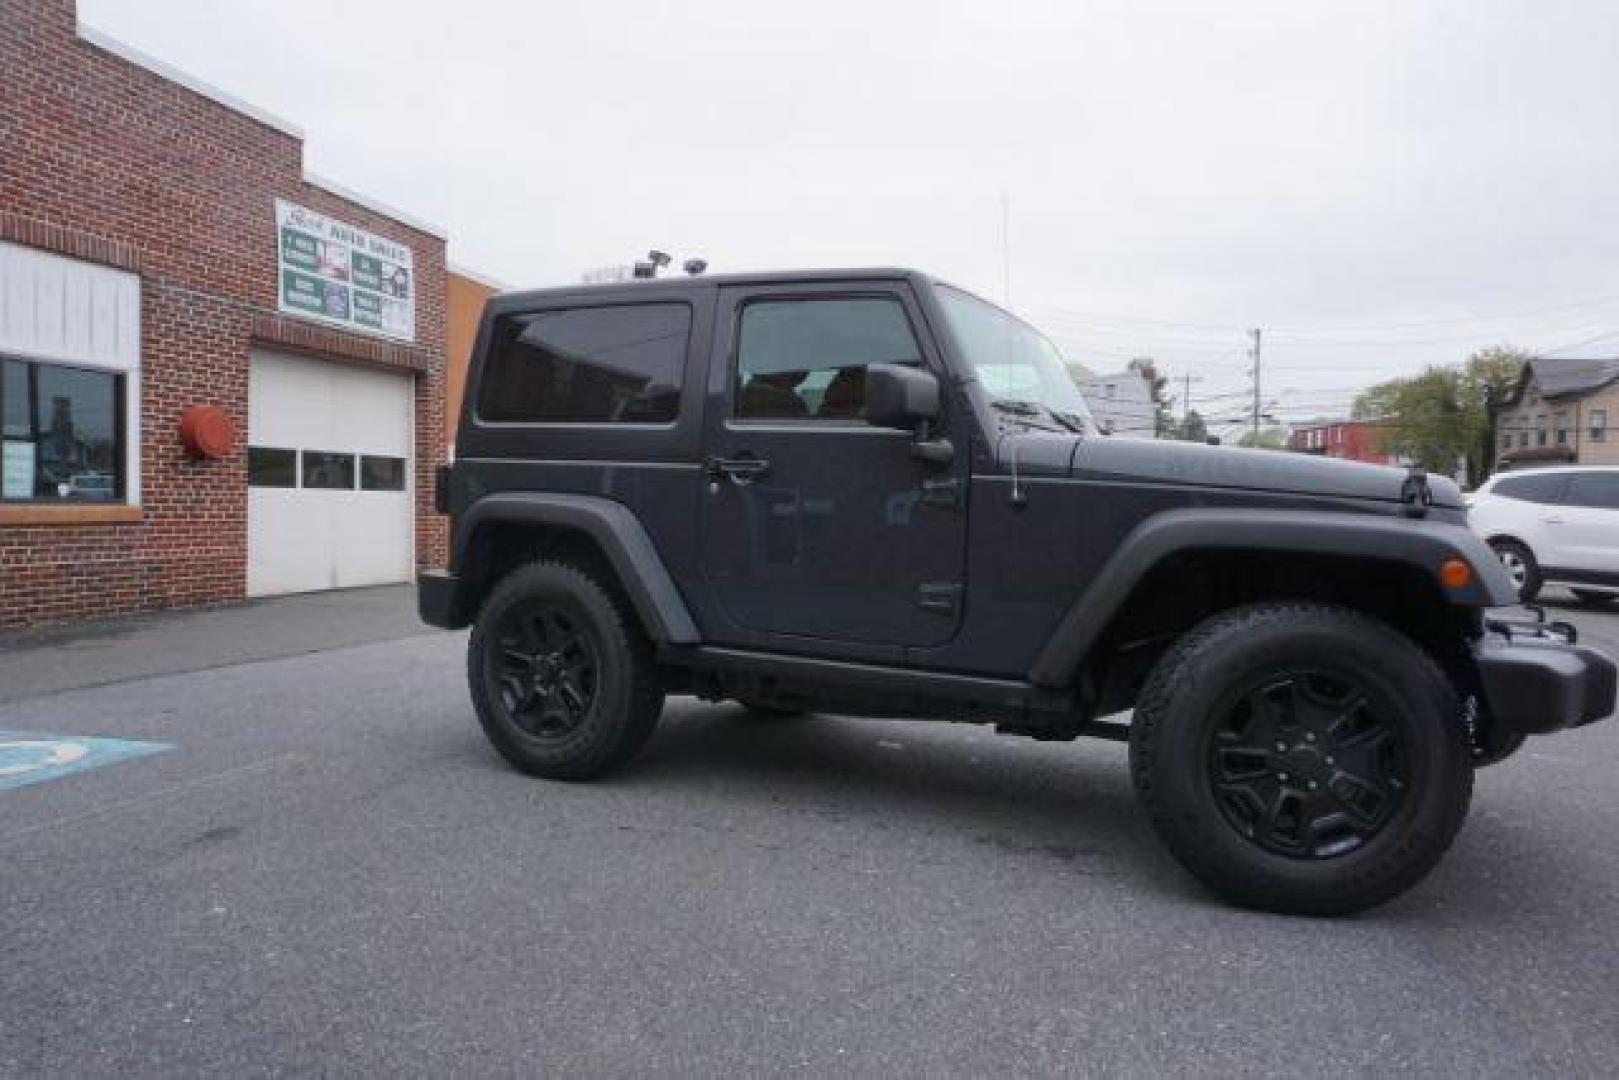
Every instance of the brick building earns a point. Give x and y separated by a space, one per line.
465 295
1352 440
162 249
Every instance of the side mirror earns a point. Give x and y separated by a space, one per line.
901 396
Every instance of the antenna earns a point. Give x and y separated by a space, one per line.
1255 355
1006 250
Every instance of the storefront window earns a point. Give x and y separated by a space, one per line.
62 437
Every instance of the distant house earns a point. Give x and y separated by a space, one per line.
1352 440
1557 413
1121 403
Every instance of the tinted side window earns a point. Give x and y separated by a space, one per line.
605 365
1532 487
1598 490
807 359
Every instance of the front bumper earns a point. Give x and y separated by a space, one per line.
1536 679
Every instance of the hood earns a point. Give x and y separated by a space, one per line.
1162 461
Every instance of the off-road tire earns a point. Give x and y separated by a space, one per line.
628 695
1513 556
1593 599
1179 712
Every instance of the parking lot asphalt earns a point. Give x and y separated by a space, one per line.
319 866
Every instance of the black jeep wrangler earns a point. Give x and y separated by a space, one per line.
873 493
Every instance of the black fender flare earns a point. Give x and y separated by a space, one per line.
619 534
1415 542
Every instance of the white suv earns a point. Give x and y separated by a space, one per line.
1554 525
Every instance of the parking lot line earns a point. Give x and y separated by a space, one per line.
33 757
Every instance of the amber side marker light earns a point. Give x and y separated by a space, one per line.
1455 573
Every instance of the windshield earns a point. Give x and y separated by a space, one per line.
1016 364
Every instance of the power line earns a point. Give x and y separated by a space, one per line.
1119 319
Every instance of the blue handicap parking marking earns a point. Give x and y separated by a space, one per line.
31 757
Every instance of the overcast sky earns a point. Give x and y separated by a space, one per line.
1378 185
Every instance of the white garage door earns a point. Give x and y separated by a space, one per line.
329 476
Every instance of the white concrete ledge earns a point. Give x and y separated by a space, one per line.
482 279
107 43
331 187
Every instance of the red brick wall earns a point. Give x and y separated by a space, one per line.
1352 440
103 160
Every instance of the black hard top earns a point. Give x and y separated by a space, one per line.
677 284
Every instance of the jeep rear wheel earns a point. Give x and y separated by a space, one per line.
562 679
1301 758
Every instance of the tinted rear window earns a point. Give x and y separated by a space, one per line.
605 365
1597 490
1532 487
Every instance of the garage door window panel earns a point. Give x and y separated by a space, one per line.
609 365
328 471
63 433
382 473
272 467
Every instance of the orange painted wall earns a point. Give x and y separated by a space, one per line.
463 307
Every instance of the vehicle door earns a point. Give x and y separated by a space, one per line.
819 530
1587 524
1527 506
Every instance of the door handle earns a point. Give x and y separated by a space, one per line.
1551 521
741 471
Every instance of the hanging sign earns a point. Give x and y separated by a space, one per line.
342 275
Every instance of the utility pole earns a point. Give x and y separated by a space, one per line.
1186 395
1255 354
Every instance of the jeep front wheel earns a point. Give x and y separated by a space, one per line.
1301 758
562 678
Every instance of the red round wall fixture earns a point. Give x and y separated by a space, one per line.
207 431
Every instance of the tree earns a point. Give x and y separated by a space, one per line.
1441 417
1163 424
1271 438
1490 375
1193 428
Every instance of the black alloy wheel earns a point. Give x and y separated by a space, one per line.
1305 765
547 669
563 679
1301 757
